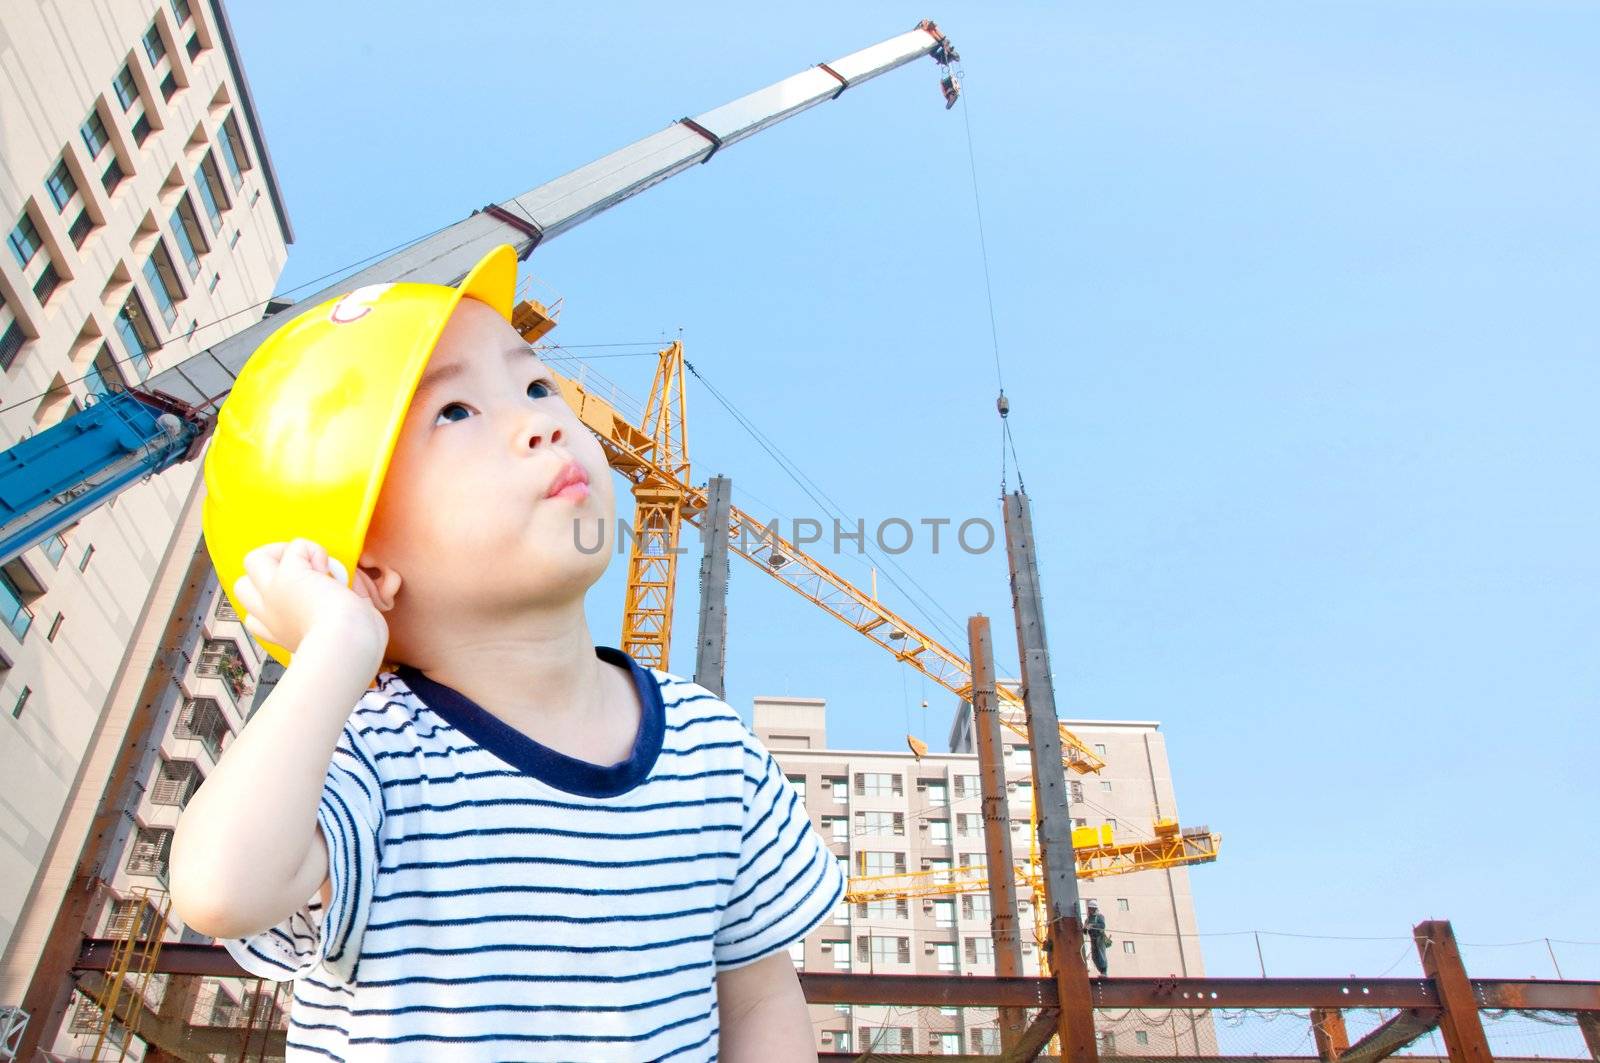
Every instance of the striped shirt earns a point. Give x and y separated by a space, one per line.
492 898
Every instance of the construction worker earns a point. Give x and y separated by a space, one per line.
531 847
1094 929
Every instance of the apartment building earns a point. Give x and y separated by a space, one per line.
143 222
892 812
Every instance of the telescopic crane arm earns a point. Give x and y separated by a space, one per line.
55 477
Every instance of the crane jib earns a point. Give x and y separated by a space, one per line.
57 476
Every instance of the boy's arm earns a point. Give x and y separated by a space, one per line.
247 852
763 1014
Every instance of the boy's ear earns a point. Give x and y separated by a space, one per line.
377 581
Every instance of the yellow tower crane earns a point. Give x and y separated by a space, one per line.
654 457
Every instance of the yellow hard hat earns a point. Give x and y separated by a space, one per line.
303 441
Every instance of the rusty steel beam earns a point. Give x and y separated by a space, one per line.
1536 995
1327 1027
1392 1036
1460 1024
1182 993
1590 1025
1034 1038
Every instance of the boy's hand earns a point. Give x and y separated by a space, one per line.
292 588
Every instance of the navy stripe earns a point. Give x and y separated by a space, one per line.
691 699
448 751
479 979
775 946
565 890
703 745
778 895
501 832
783 860
303 1046
544 917
539 802
418 865
542 1038
686 724
583 950
463 1009
714 1031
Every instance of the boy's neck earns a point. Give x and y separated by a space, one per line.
540 675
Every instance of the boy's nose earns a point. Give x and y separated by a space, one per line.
536 440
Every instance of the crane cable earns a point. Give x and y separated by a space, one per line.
1002 404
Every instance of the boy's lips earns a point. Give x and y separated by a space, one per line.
570 483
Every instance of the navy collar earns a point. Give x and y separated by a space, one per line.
540 761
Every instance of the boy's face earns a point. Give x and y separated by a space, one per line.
493 486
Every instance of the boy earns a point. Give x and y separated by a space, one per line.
514 845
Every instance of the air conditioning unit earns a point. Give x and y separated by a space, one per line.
930 948
827 946
927 906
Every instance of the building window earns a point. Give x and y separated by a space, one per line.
133 326
886 1038
799 784
841 954
1127 947
24 241
225 609
890 908
126 88
944 914
875 863
936 791
838 829
176 783
944 1044
1122 904
169 86
22 702
80 228
233 241
150 852
155 49
53 548
141 129
938 832
233 152
1077 790
1141 1037
838 786
1105 786
180 11
1099 749
882 823
46 284
209 180
1113 825
201 720
94 135
944 953
985 1040
11 341
112 177
61 185
162 277
975 907
797 954
221 658
216 279
14 612
102 379
193 46
878 949
878 784
980 950
88 555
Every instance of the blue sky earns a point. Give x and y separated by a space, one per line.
1296 312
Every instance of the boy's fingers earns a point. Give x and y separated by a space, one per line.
258 630
246 595
259 566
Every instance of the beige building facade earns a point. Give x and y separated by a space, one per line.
143 223
892 812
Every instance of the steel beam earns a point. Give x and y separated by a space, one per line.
1536 995
1589 1023
1034 1038
1459 1023
1392 1036
1327 1026
1049 788
996 826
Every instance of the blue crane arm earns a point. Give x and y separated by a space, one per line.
53 478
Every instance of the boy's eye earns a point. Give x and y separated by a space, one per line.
540 389
455 411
